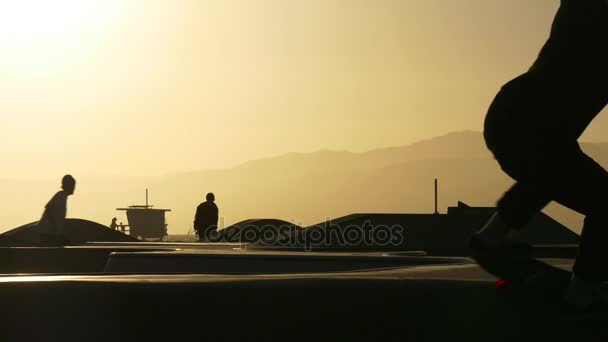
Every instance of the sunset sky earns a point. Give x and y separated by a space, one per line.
128 87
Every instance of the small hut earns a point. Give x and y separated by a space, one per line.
145 221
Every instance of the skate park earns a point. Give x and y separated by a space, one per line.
300 292
320 126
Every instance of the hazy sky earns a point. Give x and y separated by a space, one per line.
129 87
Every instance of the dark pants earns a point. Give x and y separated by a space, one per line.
206 232
535 142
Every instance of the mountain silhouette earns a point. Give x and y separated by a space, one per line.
305 188
310 187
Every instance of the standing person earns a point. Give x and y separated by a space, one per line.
53 218
206 218
114 225
532 128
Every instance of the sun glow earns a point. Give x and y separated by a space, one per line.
34 21
34 34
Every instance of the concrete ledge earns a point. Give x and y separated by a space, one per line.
261 262
59 259
314 308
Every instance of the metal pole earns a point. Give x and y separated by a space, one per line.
436 195
146 198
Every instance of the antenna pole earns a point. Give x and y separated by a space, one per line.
436 195
146 198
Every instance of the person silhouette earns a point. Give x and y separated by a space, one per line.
206 218
53 217
114 225
532 128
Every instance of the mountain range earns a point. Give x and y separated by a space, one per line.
306 188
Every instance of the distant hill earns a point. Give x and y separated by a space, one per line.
304 188
308 187
465 145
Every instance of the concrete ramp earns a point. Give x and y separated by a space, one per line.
77 232
262 262
261 231
409 304
6 241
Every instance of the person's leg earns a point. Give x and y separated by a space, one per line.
510 134
533 143
564 173
589 269
551 171
588 196
517 206
593 254
206 233
213 234
581 184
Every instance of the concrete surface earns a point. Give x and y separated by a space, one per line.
433 302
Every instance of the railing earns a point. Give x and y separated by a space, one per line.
123 228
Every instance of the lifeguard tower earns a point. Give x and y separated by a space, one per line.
146 222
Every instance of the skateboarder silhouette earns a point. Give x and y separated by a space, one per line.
53 217
532 128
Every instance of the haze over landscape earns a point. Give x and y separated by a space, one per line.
258 102
302 187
